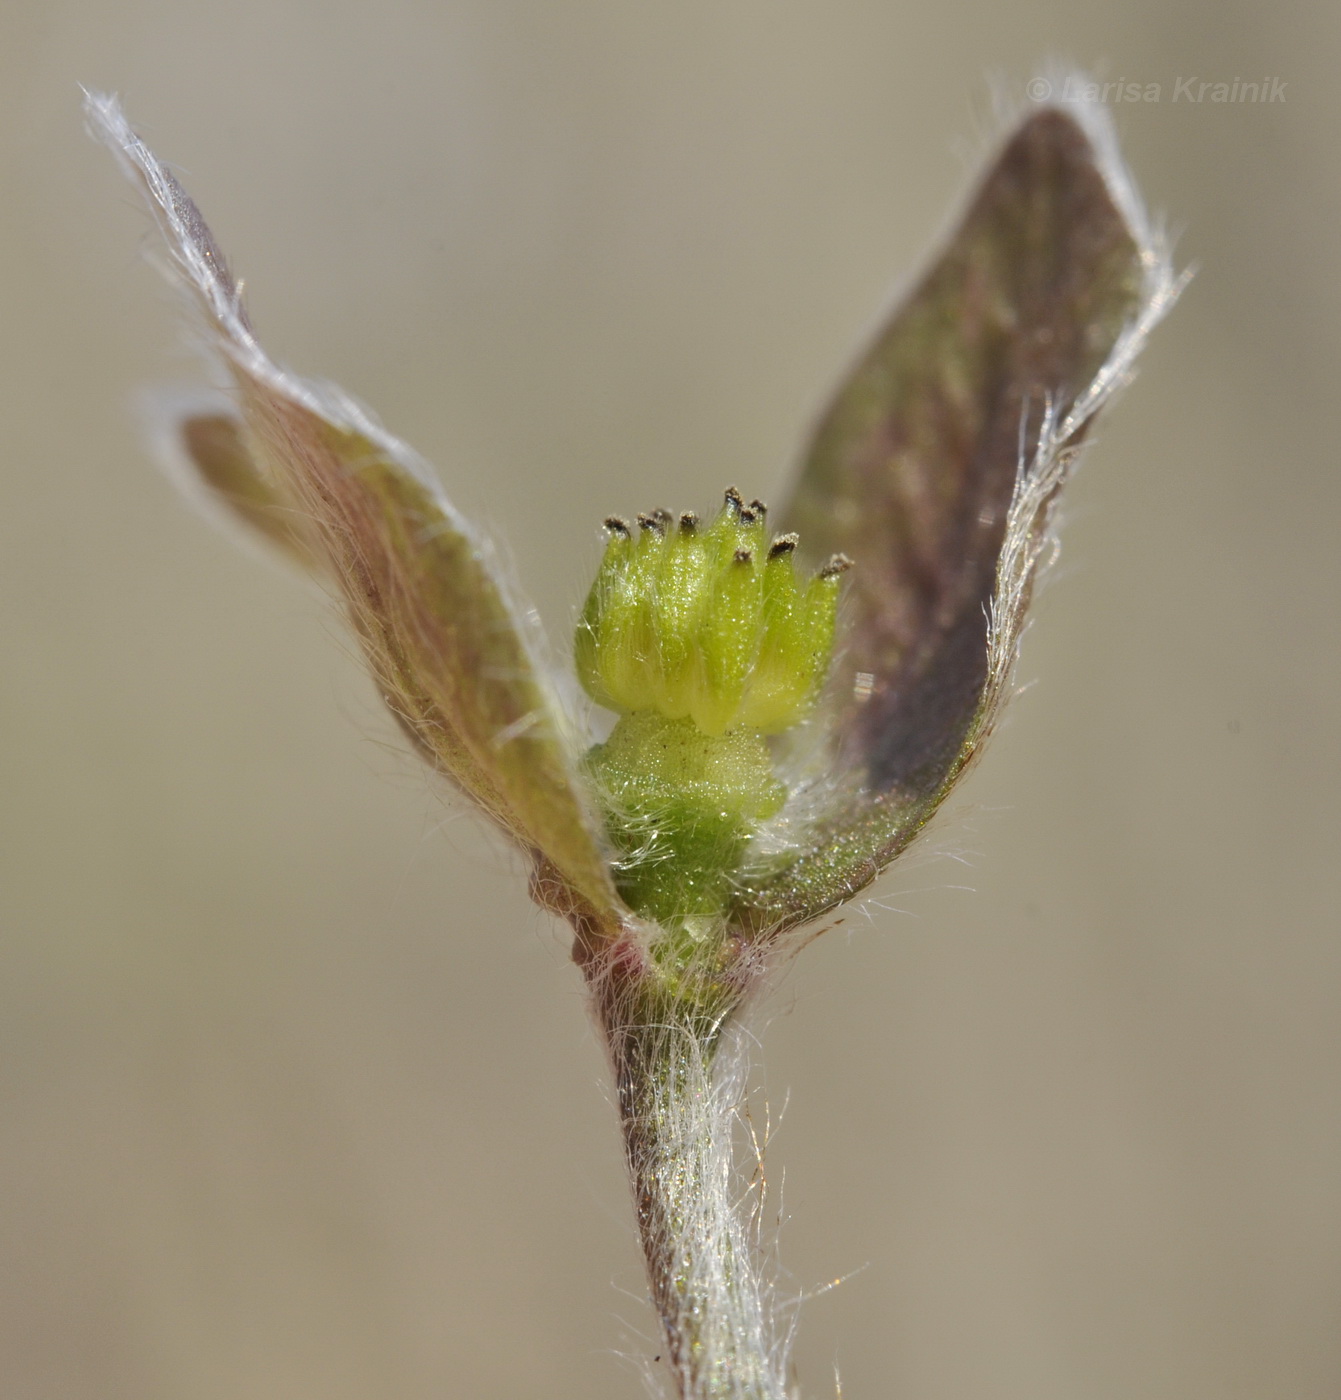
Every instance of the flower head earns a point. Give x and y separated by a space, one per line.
707 623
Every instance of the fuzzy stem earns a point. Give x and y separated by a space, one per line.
678 1089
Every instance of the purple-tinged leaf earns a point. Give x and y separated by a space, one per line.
936 467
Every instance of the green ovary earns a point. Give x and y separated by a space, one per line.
705 641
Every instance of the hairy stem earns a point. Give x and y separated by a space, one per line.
678 1090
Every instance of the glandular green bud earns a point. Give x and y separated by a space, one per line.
709 624
681 805
705 640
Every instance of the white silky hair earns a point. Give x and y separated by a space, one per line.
700 1213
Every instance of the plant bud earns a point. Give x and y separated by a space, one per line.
710 625
705 640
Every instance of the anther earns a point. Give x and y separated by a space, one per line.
651 522
758 507
839 564
744 556
616 526
663 515
688 522
783 544
733 501
747 516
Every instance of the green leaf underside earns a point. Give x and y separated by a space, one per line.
437 633
445 644
912 470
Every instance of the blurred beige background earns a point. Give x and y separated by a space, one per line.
297 1099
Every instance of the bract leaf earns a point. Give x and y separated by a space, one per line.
455 659
207 452
936 466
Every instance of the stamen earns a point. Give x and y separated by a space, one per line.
616 526
758 507
839 564
688 522
653 523
733 501
783 544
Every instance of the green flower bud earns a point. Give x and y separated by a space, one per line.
706 641
710 625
